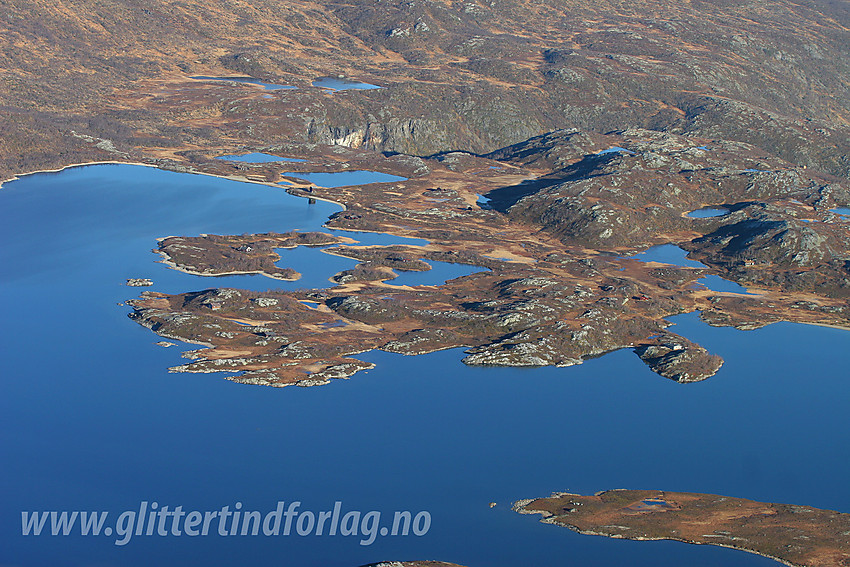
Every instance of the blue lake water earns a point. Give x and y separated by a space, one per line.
344 178
841 211
256 157
614 150
91 420
708 212
716 283
246 81
672 254
483 202
668 254
439 273
336 84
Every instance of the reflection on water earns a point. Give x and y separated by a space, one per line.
92 420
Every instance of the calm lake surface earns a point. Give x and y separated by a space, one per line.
708 212
668 254
336 84
614 150
91 420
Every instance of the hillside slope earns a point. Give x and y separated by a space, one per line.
472 76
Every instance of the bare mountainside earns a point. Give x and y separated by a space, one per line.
85 79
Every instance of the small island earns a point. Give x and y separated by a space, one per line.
800 536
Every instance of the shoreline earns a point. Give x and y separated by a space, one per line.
828 326
547 518
551 521
173 266
238 178
18 176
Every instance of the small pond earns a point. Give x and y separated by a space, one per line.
336 84
708 212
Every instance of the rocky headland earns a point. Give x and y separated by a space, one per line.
800 536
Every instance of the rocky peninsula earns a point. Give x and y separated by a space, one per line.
800 536
553 241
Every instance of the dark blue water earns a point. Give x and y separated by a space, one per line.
90 419
247 81
256 157
336 84
344 178
708 212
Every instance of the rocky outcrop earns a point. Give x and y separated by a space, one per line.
765 245
679 359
